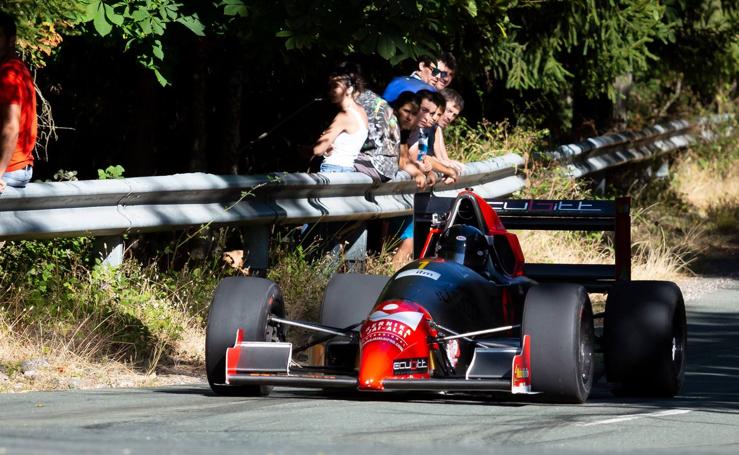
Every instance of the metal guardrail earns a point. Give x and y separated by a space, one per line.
144 204
611 150
141 204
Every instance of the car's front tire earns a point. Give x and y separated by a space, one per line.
239 302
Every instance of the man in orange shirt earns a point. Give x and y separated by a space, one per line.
17 111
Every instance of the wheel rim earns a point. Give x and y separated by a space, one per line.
677 353
585 348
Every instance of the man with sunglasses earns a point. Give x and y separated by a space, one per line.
442 72
432 75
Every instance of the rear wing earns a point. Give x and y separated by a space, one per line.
536 214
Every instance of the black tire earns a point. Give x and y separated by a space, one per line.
645 338
239 302
559 321
350 297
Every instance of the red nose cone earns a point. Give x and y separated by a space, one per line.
376 364
394 330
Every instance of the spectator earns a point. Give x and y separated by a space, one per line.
422 79
406 108
380 153
420 148
17 111
454 106
432 75
443 71
340 144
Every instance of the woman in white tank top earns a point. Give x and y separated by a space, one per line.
340 144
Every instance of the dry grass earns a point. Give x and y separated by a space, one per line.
31 360
550 247
700 188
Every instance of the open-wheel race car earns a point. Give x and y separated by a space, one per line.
468 315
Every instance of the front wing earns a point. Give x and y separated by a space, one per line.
266 363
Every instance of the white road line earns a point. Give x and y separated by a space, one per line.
670 412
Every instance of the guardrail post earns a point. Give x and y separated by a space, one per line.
356 252
109 250
257 245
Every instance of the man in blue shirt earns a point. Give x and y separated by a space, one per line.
432 75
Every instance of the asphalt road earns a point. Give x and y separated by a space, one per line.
187 419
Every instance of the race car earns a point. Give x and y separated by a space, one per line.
467 315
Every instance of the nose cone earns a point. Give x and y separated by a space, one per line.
376 364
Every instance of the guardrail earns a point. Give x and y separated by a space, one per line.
111 208
611 150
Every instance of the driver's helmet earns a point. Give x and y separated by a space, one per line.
465 245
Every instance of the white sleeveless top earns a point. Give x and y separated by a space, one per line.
346 146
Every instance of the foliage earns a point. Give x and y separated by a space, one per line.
41 25
111 172
134 313
141 24
704 51
302 276
487 140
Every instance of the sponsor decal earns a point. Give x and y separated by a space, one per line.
521 366
410 366
419 272
387 330
409 318
520 373
546 206
393 328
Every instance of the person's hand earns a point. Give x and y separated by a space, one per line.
425 165
329 150
420 181
2 185
431 178
456 165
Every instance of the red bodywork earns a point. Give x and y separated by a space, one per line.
494 227
394 343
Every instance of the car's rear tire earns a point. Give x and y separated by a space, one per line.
350 297
645 338
239 302
559 321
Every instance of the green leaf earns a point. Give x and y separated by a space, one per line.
112 16
290 43
91 10
471 8
193 23
156 49
386 47
102 26
157 26
140 14
235 10
284 34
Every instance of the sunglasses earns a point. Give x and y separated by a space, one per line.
437 72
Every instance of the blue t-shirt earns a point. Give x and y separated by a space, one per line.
404 84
